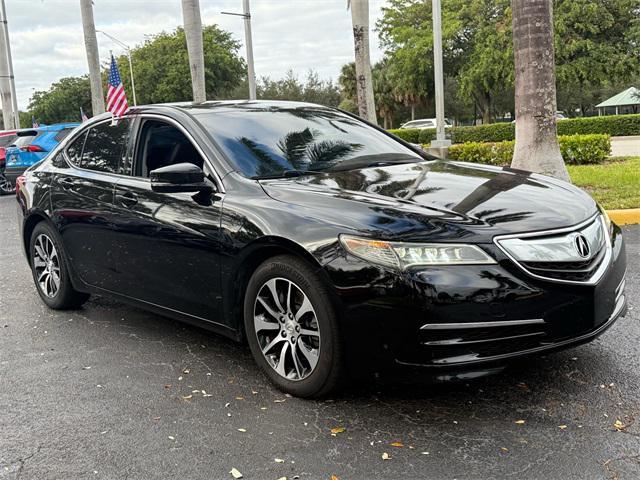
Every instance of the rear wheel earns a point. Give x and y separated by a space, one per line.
50 271
292 328
6 187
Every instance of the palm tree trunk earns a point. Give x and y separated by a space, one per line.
193 33
364 83
537 146
91 46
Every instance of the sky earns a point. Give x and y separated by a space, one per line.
47 41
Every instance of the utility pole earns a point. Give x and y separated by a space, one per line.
248 40
249 45
193 33
93 59
441 140
6 53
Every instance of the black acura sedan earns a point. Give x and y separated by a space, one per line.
332 247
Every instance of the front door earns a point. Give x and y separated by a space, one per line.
168 243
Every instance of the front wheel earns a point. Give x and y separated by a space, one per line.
50 270
292 327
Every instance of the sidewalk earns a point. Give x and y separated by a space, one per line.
625 146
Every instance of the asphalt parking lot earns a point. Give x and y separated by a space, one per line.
113 392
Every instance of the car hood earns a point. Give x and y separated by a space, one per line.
437 200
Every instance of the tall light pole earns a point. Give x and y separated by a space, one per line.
248 39
128 50
9 64
441 140
93 59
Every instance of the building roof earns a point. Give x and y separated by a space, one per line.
631 96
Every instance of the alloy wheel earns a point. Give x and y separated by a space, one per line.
6 186
287 329
46 264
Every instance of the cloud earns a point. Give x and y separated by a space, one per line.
299 35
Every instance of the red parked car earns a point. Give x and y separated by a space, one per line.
7 137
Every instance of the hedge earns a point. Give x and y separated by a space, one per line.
575 149
613 125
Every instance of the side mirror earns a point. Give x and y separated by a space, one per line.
181 177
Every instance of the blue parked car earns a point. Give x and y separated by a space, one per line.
31 146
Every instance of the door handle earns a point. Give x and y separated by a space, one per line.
127 198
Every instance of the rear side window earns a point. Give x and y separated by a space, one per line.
74 150
62 134
24 141
7 140
105 147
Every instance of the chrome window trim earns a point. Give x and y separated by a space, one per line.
597 275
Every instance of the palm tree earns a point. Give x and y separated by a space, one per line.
364 84
536 147
193 33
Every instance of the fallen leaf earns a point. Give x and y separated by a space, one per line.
386 456
167 385
334 477
504 449
562 427
239 398
336 430
235 473
519 422
619 425
282 478
279 460
397 444
277 400
186 371
188 397
242 430
171 438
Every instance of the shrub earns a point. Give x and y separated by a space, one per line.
614 125
411 135
581 149
575 149
496 153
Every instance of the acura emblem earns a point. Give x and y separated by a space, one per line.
582 246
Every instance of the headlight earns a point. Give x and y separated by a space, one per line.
403 255
607 221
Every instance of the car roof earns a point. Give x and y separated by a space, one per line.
195 108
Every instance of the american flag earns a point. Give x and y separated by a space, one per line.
34 122
83 116
116 98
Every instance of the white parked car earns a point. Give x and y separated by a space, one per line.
425 123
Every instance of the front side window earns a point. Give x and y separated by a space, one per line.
162 144
267 142
105 146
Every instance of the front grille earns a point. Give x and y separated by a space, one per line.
554 255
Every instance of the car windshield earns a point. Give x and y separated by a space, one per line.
269 142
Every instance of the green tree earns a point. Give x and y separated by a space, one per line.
597 46
62 102
161 66
312 90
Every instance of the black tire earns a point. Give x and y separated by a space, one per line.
65 296
327 374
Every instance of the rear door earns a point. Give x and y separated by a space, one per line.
168 243
82 199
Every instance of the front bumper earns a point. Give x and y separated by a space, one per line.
468 318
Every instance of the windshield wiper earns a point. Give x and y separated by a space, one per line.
288 174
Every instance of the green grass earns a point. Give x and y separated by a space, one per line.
614 184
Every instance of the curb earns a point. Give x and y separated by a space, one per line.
629 216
